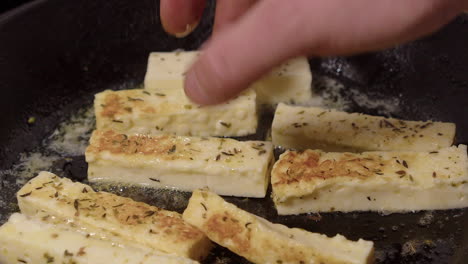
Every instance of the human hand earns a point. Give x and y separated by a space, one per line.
252 36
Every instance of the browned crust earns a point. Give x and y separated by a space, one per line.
307 166
122 144
124 211
112 105
226 227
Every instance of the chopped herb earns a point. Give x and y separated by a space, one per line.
84 190
66 253
301 112
228 125
411 178
227 154
426 125
117 121
134 99
26 194
145 92
38 188
261 152
388 123
401 172
119 205
128 217
160 94
149 213
128 109
321 114
104 215
405 164
218 157
434 174
153 179
440 134
56 194
247 224
204 206
21 260
188 107
76 204
172 149
103 105
49 258
433 152
368 198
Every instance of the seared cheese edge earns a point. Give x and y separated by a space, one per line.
315 181
260 241
330 130
169 111
138 222
27 240
225 166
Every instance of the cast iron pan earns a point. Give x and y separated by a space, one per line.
55 55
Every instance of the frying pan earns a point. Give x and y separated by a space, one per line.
55 55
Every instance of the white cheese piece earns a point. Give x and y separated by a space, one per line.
140 223
170 111
289 82
26 240
226 166
315 181
260 241
330 130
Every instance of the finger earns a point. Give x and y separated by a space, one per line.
243 52
228 11
272 31
181 17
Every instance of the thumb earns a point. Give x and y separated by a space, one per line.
244 51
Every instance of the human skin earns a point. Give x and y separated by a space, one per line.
252 36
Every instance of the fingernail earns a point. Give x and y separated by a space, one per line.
189 28
194 90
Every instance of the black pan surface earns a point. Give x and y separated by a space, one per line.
55 55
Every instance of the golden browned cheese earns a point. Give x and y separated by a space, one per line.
317 181
307 166
117 143
138 222
261 241
226 166
169 111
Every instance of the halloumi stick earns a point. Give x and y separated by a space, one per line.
26 240
315 181
331 130
226 166
169 111
289 82
260 241
141 223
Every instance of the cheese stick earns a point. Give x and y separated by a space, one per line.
170 111
226 166
260 241
289 82
25 240
150 226
315 181
330 130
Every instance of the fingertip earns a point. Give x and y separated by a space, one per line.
180 17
